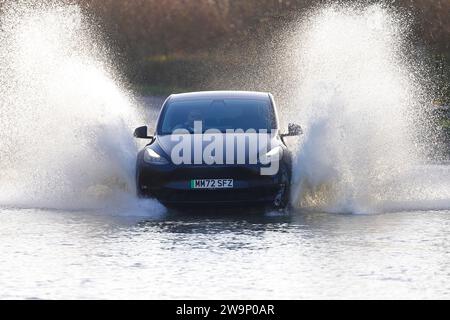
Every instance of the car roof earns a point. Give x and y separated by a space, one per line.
219 95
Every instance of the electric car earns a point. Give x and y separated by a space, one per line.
216 148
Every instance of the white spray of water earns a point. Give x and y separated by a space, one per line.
360 103
66 124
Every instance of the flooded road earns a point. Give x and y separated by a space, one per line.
66 143
54 254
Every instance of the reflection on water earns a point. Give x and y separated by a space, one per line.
54 254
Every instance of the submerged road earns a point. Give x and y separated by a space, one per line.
142 251
60 254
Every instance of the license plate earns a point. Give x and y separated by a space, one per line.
211 183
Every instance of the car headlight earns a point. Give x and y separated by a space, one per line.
274 154
151 156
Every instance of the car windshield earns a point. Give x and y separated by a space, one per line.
219 114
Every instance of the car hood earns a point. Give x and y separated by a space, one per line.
197 144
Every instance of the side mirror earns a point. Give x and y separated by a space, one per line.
141 133
293 130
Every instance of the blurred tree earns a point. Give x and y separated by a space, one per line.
159 38
149 27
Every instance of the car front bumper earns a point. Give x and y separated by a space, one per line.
171 185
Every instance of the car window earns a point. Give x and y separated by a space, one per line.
221 114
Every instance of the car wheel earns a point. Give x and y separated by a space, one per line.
282 200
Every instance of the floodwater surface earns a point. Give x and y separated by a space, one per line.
57 254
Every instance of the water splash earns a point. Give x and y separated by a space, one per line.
361 102
66 123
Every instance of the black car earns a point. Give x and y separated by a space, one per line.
216 148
